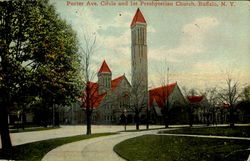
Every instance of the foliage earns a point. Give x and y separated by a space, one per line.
39 57
237 131
247 93
172 148
35 151
41 53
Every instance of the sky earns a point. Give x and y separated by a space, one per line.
199 45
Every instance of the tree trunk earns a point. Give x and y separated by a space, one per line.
4 50
137 121
231 116
23 119
88 116
4 128
166 118
166 122
191 119
137 126
147 123
191 116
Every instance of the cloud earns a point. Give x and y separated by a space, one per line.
150 29
118 44
191 42
207 67
203 75
121 20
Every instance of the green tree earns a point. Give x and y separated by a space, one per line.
247 93
39 58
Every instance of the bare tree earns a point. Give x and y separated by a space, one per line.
211 95
191 106
90 89
164 93
230 95
139 101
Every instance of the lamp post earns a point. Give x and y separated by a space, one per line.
125 119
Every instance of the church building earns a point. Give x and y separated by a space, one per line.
108 97
112 98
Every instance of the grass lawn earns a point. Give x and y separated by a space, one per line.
36 150
237 131
142 130
33 129
172 148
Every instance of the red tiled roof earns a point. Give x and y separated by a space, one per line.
225 105
95 98
195 99
160 94
104 68
138 18
116 82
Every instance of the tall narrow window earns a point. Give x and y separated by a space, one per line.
105 81
143 36
138 36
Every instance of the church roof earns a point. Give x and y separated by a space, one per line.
116 82
161 94
138 17
95 98
226 105
104 68
195 99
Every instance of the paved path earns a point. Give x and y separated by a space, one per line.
101 149
97 149
65 131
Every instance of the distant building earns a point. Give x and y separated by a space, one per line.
199 108
171 96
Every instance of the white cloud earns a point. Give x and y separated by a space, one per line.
119 44
121 20
191 42
207 67
150 29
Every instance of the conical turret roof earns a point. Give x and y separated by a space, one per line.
138 18
104 68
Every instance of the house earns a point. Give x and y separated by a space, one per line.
200 109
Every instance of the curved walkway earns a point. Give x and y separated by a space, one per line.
97 149
64 131
101 149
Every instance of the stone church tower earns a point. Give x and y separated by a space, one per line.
139 54
104 78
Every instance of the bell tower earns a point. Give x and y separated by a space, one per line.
139 53
104 78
